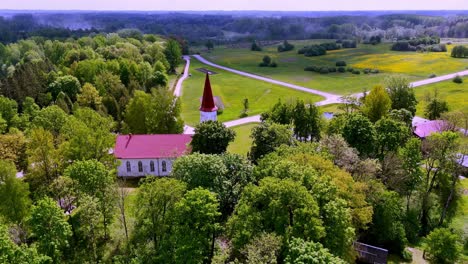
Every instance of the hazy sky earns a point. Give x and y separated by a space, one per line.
286 5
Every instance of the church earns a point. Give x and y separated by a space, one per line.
144 155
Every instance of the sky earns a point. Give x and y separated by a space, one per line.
203 5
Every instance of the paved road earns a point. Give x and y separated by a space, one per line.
328 96
242 121
178 88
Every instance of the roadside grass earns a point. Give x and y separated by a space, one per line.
413 65
233 89
332 108
455 94
242 143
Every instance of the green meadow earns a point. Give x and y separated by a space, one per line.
455 94
233 89
242 143
413 65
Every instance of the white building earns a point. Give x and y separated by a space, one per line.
143 155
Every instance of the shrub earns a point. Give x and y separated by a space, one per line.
443 246
324 70
457 79
356 72
331 69
311 68
459 52
432 76
375 71
350 69
273 65
262 64
366 70
341 69
286 46
407 255
347 44
340 64
331 46
255 47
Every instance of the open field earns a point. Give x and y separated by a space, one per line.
241 145
413 65
232 89
455 94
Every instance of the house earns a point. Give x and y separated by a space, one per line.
142 155
424 128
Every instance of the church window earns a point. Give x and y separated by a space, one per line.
163 165
129 168
152 166
140 166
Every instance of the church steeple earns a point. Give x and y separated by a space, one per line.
208 108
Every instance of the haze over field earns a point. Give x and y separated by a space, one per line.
292 5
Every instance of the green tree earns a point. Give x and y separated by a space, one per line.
401 94
51 118
390 135
163 114
173 54
308 252
13 148
211 137
136 113
264 249
443 246
196 225
89 97
411 155
156 201
12 253
360 133
14 195
435 106
266 137
93 179
281 113
8 109
67 84
377 104
49 229
283 207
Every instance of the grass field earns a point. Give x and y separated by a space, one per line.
455 94
243 142
232 89
413 65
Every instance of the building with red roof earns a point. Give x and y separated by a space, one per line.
426 128
143 155
208 109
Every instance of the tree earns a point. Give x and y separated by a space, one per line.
209 45
443 246
283 207
377 104
13 148
8 109
266 137
402 115
67 84
401 94
412 160
49 228
93 179
263 249
51 118
435 106
173 54
459 52
195 226
360 133
136 112
14 195
89 97
255 46
390 135
281 113
211 137
164 113
308 252
89 230
157 200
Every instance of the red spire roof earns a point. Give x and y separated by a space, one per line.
208 104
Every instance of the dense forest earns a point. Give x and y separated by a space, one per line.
227 27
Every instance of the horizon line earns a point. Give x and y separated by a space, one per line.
232 10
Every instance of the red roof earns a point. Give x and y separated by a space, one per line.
151 146
208 104
424 129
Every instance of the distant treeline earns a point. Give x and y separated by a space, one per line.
228 28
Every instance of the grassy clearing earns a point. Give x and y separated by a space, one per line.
413 65
455 94
243 142
232 89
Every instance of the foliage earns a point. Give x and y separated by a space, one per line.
457 79
309 252
89 97
360 133
377 104
266 137
67 84
14 195
211 137
286 46
255 46
49 228
435 106
195 226
263 249
443 246
459 52
173 54
280 206
401 94
390 134
13 148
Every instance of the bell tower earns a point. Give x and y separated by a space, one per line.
208 109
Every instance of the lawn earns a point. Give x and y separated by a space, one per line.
232 89
455 94
243 142
413 65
